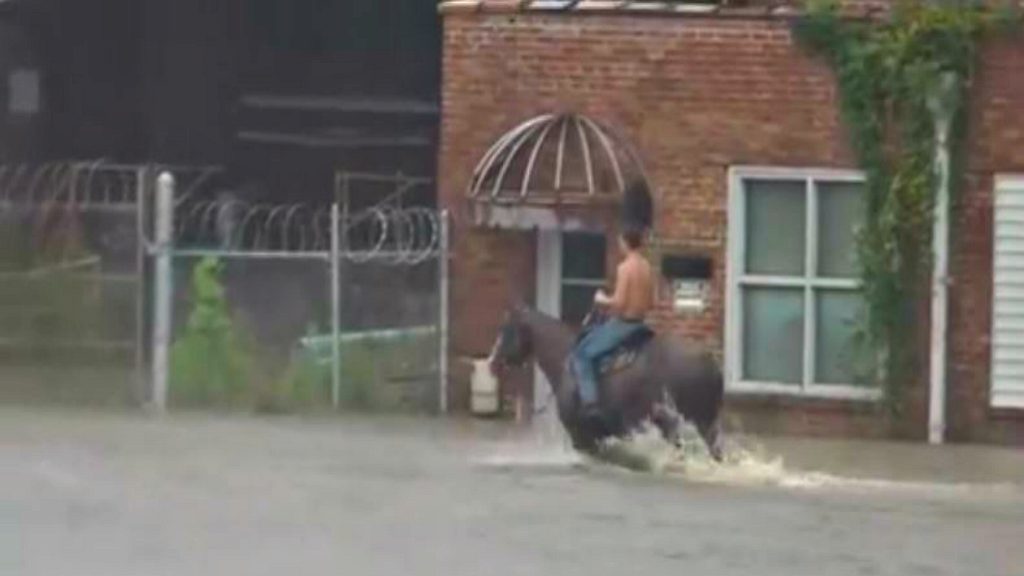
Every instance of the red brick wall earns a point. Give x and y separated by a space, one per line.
695 95
995 145
490 270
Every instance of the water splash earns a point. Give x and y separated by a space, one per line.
748 464
543 444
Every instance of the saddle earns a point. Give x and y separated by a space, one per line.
625 354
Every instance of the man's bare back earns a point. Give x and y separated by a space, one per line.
628 305
634 289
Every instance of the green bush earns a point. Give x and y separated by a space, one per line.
360 378
210 362
213 363
304 383
54 299
369 370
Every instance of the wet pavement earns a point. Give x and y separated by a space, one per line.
106 494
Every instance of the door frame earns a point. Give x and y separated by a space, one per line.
548 296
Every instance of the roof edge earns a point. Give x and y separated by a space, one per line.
754 10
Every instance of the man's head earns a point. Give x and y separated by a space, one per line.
631 239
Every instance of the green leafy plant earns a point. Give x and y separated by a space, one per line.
303 384
361 377
886 72
53 300
210 363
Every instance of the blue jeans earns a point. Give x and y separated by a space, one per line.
600 341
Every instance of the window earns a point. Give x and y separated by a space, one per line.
793 293
23 92
583 273
1007 380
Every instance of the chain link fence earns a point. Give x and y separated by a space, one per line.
153 284
296 305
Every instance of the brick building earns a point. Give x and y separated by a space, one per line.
738 133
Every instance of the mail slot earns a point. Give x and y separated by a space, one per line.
689 277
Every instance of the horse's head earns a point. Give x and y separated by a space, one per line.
513 347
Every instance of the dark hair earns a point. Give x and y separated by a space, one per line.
633 237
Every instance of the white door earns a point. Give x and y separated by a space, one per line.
549 296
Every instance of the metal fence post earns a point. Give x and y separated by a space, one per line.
443 313
335 306
143 177
163 289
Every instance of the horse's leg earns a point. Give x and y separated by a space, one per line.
665 416
668 422
582 438
711 435
583 442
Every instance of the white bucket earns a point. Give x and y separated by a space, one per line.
484 389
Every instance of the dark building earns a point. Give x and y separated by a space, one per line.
280 92
20 121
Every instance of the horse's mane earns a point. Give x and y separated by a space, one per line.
539 319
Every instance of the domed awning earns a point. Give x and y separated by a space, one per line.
552 160
553 171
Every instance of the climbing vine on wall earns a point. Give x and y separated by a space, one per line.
892 76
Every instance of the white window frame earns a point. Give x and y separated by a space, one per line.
737 279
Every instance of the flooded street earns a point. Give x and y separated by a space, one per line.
103 494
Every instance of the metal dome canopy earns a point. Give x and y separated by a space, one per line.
555 159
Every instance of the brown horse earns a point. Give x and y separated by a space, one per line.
666 380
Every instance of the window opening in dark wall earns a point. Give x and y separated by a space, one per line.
584 256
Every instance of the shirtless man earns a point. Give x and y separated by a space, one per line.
627 307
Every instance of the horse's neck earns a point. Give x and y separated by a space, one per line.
552 342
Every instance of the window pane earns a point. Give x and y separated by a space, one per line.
773 335
576 303
840 212
836 313
776 227
583 256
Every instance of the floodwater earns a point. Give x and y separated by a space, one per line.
92 493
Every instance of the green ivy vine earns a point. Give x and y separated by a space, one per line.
886 72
